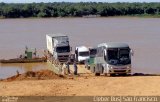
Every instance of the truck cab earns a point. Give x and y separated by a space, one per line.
90 62
58 46
81 54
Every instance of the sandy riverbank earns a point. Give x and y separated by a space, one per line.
86 84
83 86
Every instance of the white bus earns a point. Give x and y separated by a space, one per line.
112 59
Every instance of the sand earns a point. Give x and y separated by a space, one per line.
85 84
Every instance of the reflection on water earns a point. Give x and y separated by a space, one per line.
7 70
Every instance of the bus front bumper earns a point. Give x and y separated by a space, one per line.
125 71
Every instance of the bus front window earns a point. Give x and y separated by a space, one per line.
112 56
119 56
124 56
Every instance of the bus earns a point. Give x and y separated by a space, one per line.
112 59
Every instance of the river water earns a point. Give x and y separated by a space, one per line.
142 34
7 70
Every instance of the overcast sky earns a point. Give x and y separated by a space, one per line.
30 1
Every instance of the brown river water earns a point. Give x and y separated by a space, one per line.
142 34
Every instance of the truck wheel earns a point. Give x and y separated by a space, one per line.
97 74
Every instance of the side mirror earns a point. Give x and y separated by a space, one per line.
132 52
70 48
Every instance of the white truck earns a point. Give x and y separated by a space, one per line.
58 46
81 54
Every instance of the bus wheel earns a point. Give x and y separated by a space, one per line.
124 74
112 75
97 74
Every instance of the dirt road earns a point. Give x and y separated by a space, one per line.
83 85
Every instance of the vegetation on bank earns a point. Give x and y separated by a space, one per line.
66 9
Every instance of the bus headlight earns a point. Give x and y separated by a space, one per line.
110 67
128 67
129 71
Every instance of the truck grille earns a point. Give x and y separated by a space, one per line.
63 56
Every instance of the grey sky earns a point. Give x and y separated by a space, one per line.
30 1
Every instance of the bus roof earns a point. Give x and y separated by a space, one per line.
57 35
114 45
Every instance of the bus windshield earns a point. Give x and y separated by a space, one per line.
63 49
119 56
84 53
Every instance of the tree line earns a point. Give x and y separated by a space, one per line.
67 9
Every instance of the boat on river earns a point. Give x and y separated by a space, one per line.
29 56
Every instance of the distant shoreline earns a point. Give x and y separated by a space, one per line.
124 16
81 9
